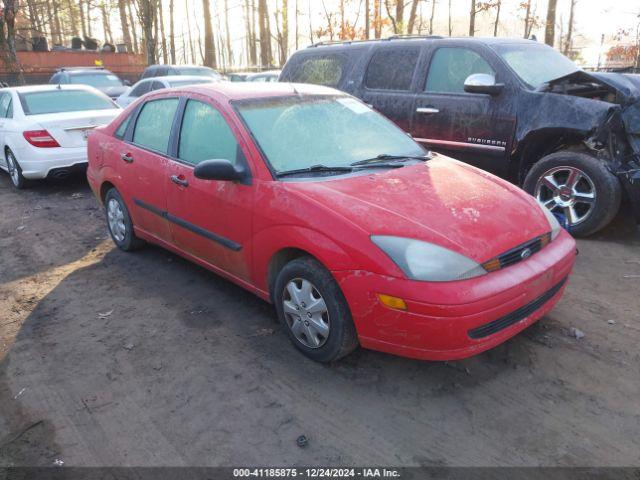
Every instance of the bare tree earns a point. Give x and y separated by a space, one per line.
472 19
209 43
265 34
172 33
450 29
497 20
124 25
550 26
412 16
310 21
106 24
397 20
147 15
228 33
367 20
433 14
569 39
8 40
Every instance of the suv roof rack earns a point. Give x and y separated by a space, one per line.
372 40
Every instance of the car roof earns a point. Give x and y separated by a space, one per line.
162 65
241 90
177 78
49 87
416 40
74 70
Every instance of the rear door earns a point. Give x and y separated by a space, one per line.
475 128
6 121
388 81
143 160
209 219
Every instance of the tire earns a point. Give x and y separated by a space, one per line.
305 324
15 171
580 176
119 222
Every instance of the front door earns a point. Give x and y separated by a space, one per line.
209 219
143 161
475 128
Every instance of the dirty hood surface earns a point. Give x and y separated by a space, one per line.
441 201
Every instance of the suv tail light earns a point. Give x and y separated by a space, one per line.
40 138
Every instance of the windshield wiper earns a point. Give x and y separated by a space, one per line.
315 168
382 157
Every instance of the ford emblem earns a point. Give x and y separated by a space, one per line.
526 253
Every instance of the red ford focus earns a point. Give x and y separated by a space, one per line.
311 200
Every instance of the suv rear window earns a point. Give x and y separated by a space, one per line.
392 68
320 70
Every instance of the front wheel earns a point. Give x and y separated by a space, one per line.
577 185
15 172
313 310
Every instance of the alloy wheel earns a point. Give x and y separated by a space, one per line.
568 190
115 217
12 166
306 313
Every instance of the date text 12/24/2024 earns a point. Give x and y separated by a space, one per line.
316 472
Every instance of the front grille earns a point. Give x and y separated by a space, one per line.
515 316
515 254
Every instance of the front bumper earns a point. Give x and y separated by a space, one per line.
455 320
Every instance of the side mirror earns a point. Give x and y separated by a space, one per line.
221 169
126 83
482 83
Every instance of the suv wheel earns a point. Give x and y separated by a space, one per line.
119 222
313 311
577 185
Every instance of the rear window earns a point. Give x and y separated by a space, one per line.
392 69
197 71
96 79
58 101
320 70
182 83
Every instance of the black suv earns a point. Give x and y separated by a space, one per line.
516 108
104 80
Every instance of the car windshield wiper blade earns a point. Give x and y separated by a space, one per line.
315 168
385 156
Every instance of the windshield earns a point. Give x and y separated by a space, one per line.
335 131
98 80
57 101
536 64
183 83
198 71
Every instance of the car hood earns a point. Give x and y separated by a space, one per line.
113 92
442 201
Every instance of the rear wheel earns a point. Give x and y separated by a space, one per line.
313 310
578 186
15 172
119 222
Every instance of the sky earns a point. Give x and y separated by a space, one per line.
593 18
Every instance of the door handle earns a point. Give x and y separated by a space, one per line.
126 157
427 110
179 181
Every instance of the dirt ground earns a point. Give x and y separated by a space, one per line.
184 368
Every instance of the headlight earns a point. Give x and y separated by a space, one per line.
427 262
553 221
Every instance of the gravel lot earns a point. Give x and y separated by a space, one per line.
184 368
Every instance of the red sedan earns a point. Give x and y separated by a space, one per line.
309 199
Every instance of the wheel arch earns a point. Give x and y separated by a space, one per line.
279 259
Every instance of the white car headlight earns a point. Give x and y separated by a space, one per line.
553 221
427 262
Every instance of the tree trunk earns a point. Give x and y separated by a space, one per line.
228 33
56 21
172 33
433 14
310 22
124 25
527 19
367 20
450 29
297 25
412 15
400 16
377 12
550 28
495 24
209 45
567 43
265 34
52 33
192 51
472 19
284 44
8 42
89 27
134 30
106 27
165 50
148 16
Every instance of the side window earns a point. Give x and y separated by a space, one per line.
154 123
450 67
392 69
155 85
10 108
205 135
122 129
5 101
141 89
320 70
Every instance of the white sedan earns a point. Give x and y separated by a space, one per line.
44 129
156 83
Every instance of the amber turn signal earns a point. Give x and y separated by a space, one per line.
392 302
492 265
